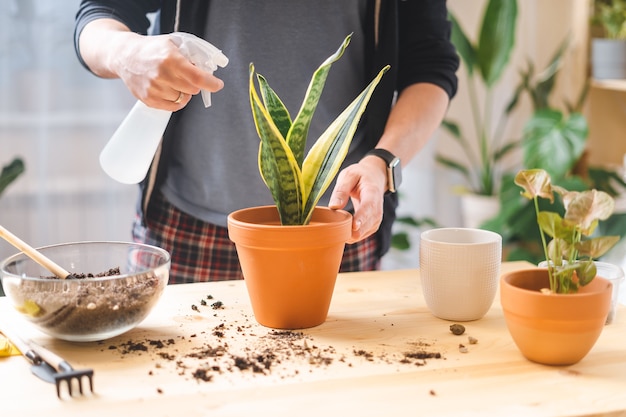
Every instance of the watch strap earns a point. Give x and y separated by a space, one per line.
387 156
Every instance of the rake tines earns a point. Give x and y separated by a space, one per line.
68 374
64 371
49 366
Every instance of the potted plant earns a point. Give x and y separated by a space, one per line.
290 253
9 173
485 61
554 139
555 314
608 45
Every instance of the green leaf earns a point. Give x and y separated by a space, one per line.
277 165
554 142
552 224
586 271
558 249
614 224
596 247
295 183
455 131
607 180
547 77
464 47
496 39
10 172
300 128
452 128
503 151
275 107
515 99
454 165
412 221
327 154
400 241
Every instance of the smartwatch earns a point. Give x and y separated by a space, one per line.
394 170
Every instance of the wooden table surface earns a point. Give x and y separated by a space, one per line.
190 358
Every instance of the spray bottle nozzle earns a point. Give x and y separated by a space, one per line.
202 54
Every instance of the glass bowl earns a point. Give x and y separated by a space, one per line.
92 308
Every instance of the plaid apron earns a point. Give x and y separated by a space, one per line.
202 251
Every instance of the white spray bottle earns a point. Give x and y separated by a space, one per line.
128 154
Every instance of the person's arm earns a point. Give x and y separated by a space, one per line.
152 68
413 120
426 80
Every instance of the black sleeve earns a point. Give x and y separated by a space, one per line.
132 13
425 51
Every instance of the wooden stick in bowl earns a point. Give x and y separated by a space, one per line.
33 254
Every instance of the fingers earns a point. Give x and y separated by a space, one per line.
160 76
364 185
171 88
191 79
368 214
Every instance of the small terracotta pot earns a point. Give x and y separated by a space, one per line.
290 271
553 329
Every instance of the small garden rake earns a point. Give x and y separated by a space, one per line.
64 371
50 367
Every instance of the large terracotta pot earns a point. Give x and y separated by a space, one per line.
290 271
553 329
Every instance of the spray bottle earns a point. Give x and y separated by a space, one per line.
128 154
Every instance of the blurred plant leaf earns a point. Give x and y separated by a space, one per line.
10 173
554 142
496 39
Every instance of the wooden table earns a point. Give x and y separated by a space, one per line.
360 362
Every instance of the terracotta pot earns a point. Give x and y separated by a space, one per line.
553 329
290 271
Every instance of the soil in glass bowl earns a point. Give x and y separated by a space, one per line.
89 306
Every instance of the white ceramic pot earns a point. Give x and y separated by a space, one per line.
476 209
459 270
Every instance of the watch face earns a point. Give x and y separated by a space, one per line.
394 169
397 173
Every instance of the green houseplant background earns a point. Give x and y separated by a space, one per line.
9 173
483 145
609 18
554 138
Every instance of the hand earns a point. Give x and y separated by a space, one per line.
156 72
365 184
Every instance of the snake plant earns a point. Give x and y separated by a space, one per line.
295 181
